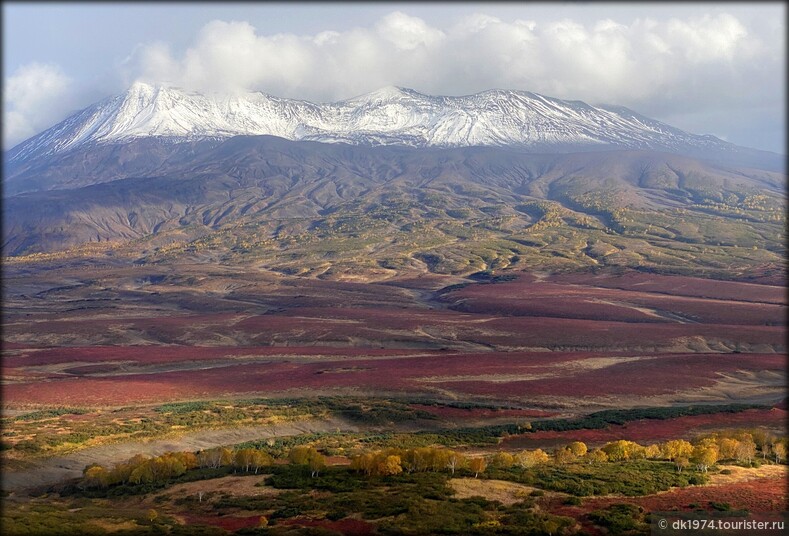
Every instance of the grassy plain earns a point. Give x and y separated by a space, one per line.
102 363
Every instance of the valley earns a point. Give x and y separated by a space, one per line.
392 315
103 363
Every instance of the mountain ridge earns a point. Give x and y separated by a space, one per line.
290 205
389 116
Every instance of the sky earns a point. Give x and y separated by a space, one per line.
708 68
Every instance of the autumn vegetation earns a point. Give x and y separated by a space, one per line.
733 446
373 489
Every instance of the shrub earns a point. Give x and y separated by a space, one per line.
620 518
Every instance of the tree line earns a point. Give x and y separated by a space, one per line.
734 445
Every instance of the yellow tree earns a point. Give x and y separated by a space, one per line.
637 452
501 460
746 450
779 451
621 450
760 437
364 462
245 458
160 468
204 458
439 458
681 462
597 456
390 465
316 462
704 456
120 473
423 458
261 459
96 476
563 455
528 458
300 455
652 452
187 458
677 448
728 448
215 457
455 460
578 448
477 465
226 456
172 465
142 474
409 461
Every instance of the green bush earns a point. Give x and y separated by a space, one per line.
630 478
620 518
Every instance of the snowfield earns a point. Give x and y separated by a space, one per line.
389 116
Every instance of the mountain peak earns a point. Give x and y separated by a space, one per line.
497 117
138 86
385 94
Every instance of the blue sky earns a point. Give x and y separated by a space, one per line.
706 68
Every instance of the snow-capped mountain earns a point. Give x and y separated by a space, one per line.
389 116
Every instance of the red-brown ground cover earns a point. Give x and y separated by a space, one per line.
548 373
678 285
461 414
650 431
657 375
632 297
761 495
510 315
229 523
545 299
561 333
308 348
348 526
149 355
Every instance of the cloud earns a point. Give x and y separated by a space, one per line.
668 68
408 33
31 100
657 65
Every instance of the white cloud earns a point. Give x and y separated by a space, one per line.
32 100
708 39
702 65
646 64
408 33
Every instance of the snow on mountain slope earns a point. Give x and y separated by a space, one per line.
389 116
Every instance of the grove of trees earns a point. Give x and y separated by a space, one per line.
734 445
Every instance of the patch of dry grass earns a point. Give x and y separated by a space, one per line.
493 490
232 485
744 474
